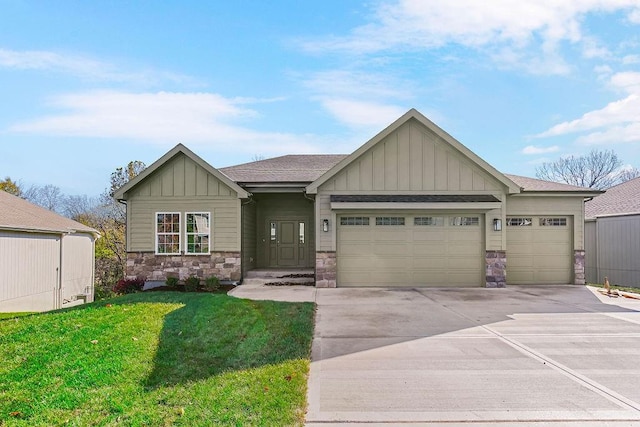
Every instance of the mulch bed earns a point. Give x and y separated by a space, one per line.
222 289
289 284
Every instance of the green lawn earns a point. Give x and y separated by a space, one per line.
157 359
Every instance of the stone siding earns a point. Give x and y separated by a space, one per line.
496 269
578 268
223 265
326 269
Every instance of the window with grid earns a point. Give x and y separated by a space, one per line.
197 232
553 222
519 222
354 220
168 233
435 221
389 220
464 220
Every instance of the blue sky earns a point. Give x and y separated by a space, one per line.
87 86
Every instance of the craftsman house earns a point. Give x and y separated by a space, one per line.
410 207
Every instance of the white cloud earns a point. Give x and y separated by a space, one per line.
628 81
631 59
532 149
617 122
163 118
361 113
84 67
532 30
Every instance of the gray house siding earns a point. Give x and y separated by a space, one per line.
613 250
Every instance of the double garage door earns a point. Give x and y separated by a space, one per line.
410 250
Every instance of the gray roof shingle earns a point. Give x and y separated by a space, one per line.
290 168
620 199
533 184
18 214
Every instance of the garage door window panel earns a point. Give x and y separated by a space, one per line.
389 220
519 222
553 222
354 220
430 221
464 221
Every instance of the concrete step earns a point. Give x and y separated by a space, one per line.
309 281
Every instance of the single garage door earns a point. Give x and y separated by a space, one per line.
410 250
539 250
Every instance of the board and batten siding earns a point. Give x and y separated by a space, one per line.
553 206
181 185
591 252
410 160
613 245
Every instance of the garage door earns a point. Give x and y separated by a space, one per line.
539 250
410 250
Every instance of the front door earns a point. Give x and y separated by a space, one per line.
287 243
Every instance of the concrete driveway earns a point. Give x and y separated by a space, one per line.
556 355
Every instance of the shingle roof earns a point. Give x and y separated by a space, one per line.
309 167
290 168
18 214
532 184
620 199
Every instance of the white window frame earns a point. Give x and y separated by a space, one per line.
157 234
187 234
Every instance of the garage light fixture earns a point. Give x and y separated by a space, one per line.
497 224
325 225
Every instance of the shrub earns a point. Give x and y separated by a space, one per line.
171 281
128 286
212 283
191 283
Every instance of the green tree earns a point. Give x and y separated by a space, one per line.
11 187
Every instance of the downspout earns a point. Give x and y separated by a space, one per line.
58 293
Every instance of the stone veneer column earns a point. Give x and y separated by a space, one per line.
326 269
578 268
495 269
223 265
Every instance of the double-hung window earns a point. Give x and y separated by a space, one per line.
173 239
198 233
168 233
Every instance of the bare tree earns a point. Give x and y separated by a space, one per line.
628 174
598 169
48 196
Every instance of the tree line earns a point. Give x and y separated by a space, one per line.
103 213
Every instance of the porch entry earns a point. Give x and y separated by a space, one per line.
288 242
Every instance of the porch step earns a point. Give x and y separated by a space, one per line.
280 276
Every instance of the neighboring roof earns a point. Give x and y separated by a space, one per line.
292 168
19 215
533 184
419 198
119 195
620 199
415 115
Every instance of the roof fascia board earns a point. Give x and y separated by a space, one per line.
464 206
180 148
558 194
414 114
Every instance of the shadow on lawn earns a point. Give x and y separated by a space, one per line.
212 334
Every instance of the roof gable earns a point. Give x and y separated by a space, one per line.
19 214
122 193
471 165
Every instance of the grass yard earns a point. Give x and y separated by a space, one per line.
157 359
619 288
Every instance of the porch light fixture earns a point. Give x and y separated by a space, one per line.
325 225
497 224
